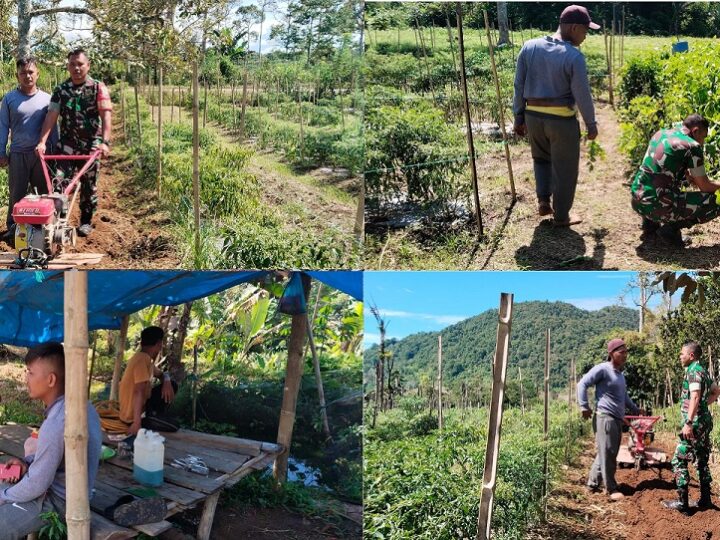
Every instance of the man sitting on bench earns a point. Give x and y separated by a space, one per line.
136 392
41 484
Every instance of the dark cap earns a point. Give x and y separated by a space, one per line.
577 15
613 345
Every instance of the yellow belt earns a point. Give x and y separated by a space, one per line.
561 110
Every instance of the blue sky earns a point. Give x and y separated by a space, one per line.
429 301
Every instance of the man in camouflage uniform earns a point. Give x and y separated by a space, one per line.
674 160
698 391
84 106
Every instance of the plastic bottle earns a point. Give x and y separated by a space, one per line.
31 443
148 460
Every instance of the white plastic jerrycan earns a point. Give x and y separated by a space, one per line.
149 454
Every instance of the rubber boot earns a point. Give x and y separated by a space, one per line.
705 500
671 234
649 228
681 504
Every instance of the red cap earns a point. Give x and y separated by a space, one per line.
577 15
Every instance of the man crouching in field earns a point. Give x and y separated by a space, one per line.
673 162
41 487
698 391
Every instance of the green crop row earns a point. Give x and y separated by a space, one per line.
422 483
660 89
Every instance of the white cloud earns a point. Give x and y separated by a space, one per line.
437 319
593 304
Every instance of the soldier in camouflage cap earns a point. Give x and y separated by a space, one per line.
84 106
698 391
674 160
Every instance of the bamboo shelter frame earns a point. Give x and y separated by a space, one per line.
75 323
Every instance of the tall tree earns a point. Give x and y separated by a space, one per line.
503 24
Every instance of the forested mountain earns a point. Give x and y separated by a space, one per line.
469 346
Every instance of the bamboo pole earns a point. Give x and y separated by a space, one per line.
137 114
522 393
124 109
242 106
318 381
609 66
496 411
622 39
205 104
293 376
440 383
500 108
77 514
159 130
468 122
546 420
119 356
92 363
196 158
172 105
194 383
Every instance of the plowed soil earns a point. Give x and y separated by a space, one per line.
576 514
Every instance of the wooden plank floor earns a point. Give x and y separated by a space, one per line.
228 458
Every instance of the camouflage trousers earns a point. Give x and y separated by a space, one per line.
88 181
672 206
697 451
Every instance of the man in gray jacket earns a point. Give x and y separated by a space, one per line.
41 487
551 82
611 400
22 112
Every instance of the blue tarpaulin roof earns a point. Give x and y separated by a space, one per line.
31 302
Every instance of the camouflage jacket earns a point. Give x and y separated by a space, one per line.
670 155
696 378
79 108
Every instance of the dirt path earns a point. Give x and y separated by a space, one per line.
607 238
576 514
128 228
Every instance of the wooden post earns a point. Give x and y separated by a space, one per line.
609 66
500 108
496 411
172 105
124 109
77 514
208 515
293 377
159 130
440 383
242 106
622 39
196 158
92 363
318 381
522 393
546 420
119 356
302 136
194 383
137 114
180 102
468 123
205 104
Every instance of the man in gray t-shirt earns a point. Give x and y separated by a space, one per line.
41 487
22 112
611 400
551 82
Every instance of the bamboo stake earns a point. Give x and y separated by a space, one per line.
92 363
502 347
501 109
546 420
77 514
293 376
609 66
159 130
622 39
522 393
124 109
468 123
194 383
137 114
205 104
172 105
242 106
318 381
196 159
440 383
119 356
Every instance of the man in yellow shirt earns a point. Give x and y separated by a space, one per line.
136 392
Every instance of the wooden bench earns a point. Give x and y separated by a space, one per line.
228 458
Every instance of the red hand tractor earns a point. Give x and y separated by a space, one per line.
638 453
42 227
